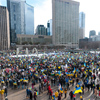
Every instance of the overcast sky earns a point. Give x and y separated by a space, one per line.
43 12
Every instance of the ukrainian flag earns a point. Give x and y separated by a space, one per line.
74 70
21 79
85 64
53 97
24 80
14 83
77 90
66 73
2 81
36 74
90 70
59 72
61 90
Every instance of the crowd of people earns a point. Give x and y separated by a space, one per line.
70 73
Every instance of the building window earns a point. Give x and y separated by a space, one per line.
14 17
48 25
14 8
15 26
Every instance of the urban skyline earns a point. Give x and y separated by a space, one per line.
44 7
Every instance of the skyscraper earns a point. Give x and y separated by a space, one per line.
92 33
4 29
41 30
19 13
81 25
29 19
65 19
82 20
49 27
98 33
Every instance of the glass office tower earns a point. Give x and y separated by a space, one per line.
19 13
49 27
29 19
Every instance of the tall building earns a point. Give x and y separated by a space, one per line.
29 19
49 27
92 33
82 20
4 29
98 33
81 25
65 20
41 30
19 13
95 38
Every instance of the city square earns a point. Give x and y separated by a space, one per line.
49 50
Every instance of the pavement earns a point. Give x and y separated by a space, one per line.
21 95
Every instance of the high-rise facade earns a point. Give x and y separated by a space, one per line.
65 19
18 13
49 27
82 20
92 33
98 33
81 25
29 19
4 29
41 30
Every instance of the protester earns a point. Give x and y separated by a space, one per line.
65 69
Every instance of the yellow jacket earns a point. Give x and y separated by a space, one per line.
56 94
2 92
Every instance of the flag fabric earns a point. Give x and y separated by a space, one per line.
2 81
36 93
53 97
74 70
78 90
59 72
36 74
61 90
67 80
85 64
59 67
77 70
90 70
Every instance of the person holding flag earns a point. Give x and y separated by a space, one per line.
65 92
61 91
71 95
53 97
56 94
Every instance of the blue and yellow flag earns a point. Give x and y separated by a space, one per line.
90 70
53 97
36 74
61 90
74 70
78 90
84 64
2 81
59 72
